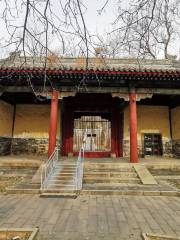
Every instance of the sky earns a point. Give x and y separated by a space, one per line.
97 24
100 23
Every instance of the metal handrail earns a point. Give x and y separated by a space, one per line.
80 165
79 169
47 169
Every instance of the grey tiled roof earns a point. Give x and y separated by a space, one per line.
116 64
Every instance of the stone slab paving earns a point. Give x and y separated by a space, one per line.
92 217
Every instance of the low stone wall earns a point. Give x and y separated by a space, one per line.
176 148
167 149
5 146
37 146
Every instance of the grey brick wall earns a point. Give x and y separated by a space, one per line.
38 146
5 145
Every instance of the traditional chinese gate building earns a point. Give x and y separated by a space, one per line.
118 107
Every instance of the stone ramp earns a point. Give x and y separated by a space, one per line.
144 175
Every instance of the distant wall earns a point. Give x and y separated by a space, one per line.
150 119
32 121
175 120
6 125
31 129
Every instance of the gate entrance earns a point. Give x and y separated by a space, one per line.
94 131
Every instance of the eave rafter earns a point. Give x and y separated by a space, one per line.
71 77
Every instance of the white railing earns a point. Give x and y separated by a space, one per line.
48 168
79 169
80 164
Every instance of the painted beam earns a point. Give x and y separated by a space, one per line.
159 91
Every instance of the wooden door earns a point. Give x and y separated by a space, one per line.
94 131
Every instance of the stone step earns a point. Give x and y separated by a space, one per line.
65 173
7 176
64 170
22 191
59 195
112 185
24 188
57 171
114 166
17 171
130 192
57 190
62 177
124 186
110 180
61 186
169 177
61 181
62 189
110 174
116 170
19 167
65 166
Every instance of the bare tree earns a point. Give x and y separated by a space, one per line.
145 28
36 28
38 22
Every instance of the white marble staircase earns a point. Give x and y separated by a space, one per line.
62 181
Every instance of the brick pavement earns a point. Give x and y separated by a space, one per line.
92 217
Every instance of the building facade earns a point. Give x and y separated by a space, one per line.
115 107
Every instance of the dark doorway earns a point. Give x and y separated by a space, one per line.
97 115
152 144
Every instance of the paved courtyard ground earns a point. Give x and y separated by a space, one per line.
92 217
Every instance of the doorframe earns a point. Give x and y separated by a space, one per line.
160 143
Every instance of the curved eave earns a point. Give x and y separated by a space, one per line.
49 71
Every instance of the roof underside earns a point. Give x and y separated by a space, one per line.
29 98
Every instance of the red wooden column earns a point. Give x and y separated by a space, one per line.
53 122
133 127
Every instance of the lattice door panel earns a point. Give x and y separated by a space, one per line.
95 131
